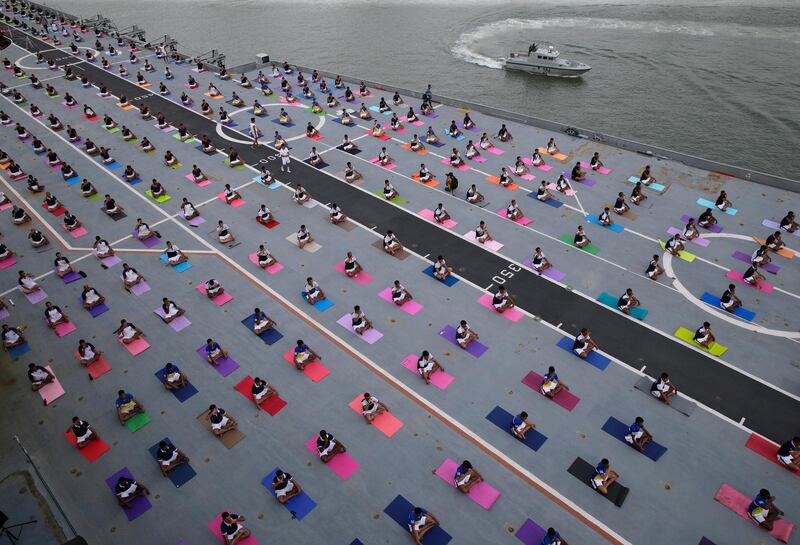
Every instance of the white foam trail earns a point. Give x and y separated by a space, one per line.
464 48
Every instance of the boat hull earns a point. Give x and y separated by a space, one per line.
563 72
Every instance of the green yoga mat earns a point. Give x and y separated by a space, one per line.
686 335
568 239
607 299
137 422
397 200
162 198
686 256
228 163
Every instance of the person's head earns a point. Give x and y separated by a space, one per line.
300 343
31 366
731 288
706 325
551 532
426 354
309 279
121 394
169 366
323 434
655 257
439 258
75 419
764 493
418 510
209 341
357 308
639 420
629 291
551 369
584 331
664 376
523 415
397 283
604 462
463 323
466 465
225 515
212 407
620 195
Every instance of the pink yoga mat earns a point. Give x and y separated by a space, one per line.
525 176
564 398
461 167
362 278
409 307
214 527
495 151
513 314
738 503
762 286
78 233
568 192
428 215
522 221
491 244
136 347
35 297
699 241
388 166
219 300
314 370
8 262
483 494
601 170
341 464
479 159
235 203
65 329
370 336
440 379
200 184
178 324
386 422
51 392
272 269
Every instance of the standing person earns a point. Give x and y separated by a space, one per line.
254 132
285 161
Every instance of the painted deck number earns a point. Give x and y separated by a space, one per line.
506 273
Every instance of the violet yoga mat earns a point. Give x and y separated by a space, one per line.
482 493
342 464
225 366
139 506
475 348
370 336
70 277
36 297
409 307
713 228
743 257
531 533
140 288
550 272
699 241
98 310
178 324
149 241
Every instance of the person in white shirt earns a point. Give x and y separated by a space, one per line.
224 233
300 195
283 152
351 265
371 407
304 237
465 334
130 276
427 365
400 295
440 214
441 269
359 320
312 292
171 310
336 215
188 210
391 244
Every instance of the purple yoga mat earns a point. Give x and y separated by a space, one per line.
226 365
139 506
551 272
769 267
98 310
370 336
475 348
149 241
178 324
111 261
140 288
586 181
35 297
712 228
70 277
531 533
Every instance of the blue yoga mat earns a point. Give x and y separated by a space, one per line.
598 360
181 474
555 203
282 124
270 336
181 395
74 180
135 181
711 205
654 186
180 267
321 306
449 281
502 419
459 138
300 505
607 299
399 510
19 350
113 166
715 301
619 430
617 228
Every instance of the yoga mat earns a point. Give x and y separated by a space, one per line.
502 419
440 379
709 204
564 398
496 181
459 138
137 422
342 464
688 336
8 262
299 506
182 394
595 359
220 299
177 324
654 186
462 167
559 156
715 302
677 402
482 493
474 348
738 503
449 281
418 152
409 307
314 370
92 451
428 215
568 239
51 392
767 449
65 329
601 170
272 269
201 183
739 277
311 247
583 470
618 429
386 422
703 242
98 368
78 233
362 278
609 300
4 313
512 314
229 438
136 347
181 474
236 203
70 277
270 336
531 533
743 257
225 366
35 297
785 252
615 227
396 200
522 221
713 228
387 166
430 183
150 241
585 181
683 254
550 272
775 225
214 526
271 405
140 504
160 199
400 508
370 336
180 267
321 305
491 244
